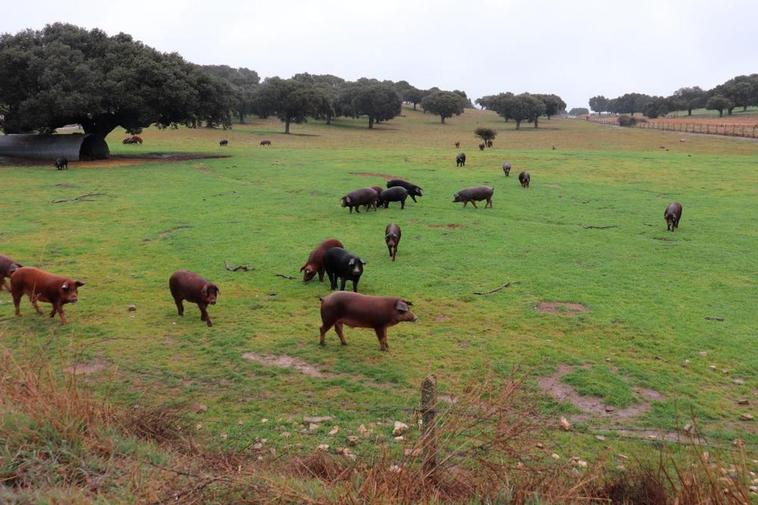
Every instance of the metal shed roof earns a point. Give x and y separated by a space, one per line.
74 147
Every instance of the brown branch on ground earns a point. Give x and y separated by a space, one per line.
238 268
593 227
506 285
288 277
87 197
713 318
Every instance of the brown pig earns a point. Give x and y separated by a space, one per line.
392 236
315 263
189 286
41 286
7 267
672 215
363 311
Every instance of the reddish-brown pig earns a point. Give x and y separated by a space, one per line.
392 236
41 286
189 286
7 267
315 263
363 311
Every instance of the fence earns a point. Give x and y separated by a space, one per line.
702 127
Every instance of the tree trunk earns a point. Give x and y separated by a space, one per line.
371 122
287 126
329 119
721 112
536 122
442 119
414 105
242 116
100 126
730 110
744 108
689 112
518 124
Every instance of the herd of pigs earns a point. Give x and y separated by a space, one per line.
330 257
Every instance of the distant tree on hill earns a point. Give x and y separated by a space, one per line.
739 90
466 100
329 87
656 106
486 134
243 83
553 104
64 74
523 107
366 97
409 93
599 104
444 103
689 98
290 100
719 103
579 111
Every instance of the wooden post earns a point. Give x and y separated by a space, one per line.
428 414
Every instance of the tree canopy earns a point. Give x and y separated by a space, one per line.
64 74
243 83
368 97
719 103
579 111
486 134
599 104
292 101
444 103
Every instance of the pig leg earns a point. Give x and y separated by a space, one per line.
402 204
332 280
340 334
324 328
4 284
355 286
465 202
357 209
62 314
381 334
321 275
343 281
489 203
17 302
413 198
394 253
179 306
54 311
204 314
33 299
474 204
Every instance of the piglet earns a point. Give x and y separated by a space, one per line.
363 311
392 238
672 215
41 286
189 286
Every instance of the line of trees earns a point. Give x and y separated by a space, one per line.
527 107
740 91
64 74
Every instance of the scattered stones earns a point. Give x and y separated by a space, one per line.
334 431
600 438
540 445
352 440
198 408
688 428
257 446
323 447
284 361
610 409
555 456
132 308
746 417
412 452
362 430
316 419
712 367
703 353
223 436
395 469
565 424
399 428
264 420
686 363
286 434
313 427
561 308
743 401
399 439
738 381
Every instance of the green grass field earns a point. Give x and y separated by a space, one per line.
589 231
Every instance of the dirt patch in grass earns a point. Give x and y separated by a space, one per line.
448 225
284 361
167 233
592 405
376 174
562 308
87 368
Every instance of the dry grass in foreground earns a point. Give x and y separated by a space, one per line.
60 444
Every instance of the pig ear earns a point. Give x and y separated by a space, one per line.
363 262
204 291
351 262
64 286
347 199
302 268
408 303
78 284
401 306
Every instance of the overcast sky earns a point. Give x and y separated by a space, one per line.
577 48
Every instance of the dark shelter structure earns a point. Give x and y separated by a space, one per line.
74 147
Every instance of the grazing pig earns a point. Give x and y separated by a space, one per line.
7 267
672 215
457 145
185 285
363 311
507 169
396 194
41 286
223 142
524 179
460 160
413 190
315 263
378 190
134 139
489 143
481 147
354 199
474 195
341 264
392 236
61 164
265 142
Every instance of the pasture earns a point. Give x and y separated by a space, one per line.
665 323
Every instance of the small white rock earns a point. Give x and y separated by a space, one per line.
565 424
399 428
334 431
323 447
